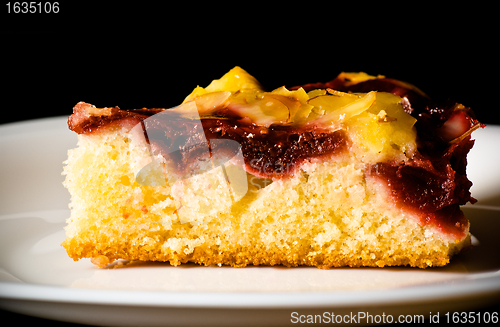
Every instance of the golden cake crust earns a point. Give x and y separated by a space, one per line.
103 253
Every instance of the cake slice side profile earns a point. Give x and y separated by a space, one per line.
359 171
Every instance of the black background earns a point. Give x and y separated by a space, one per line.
135 55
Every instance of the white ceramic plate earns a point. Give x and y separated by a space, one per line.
37 278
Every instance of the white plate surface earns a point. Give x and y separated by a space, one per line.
37 277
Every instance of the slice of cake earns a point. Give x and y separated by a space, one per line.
359 171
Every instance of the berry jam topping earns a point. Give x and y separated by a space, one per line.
431 188
275 152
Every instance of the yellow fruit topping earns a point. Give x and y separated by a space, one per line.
340 107
237 79
375 121
385 130
354 78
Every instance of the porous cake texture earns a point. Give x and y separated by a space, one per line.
331 210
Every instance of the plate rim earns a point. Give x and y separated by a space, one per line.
453 290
